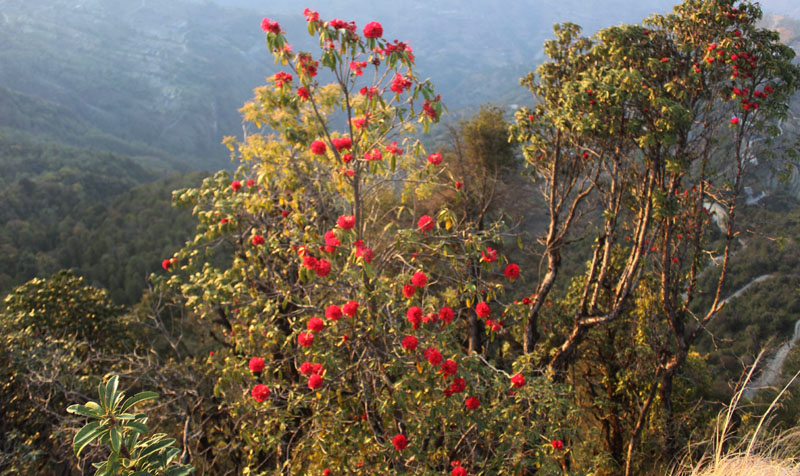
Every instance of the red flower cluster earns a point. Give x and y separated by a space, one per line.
428 109
306 339
489 256
483 310
374 155
419 279
398 47
270 26
363 252
280 78
236 185
414 316
303 93
458 471
260 392
350 309
357 67
433 356
373 30
308 368
369 92
435 158
400 442
315 381
258 240
472 403
449 368
307 65
331 242
333 312
518 380
343 25
393 149
425 223
346 222
446 315
318 147
342 143
400 84
256 365
557 444
458 386
315 325
408 290
311 15
410 343
512 271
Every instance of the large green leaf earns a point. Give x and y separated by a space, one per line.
138 398
86 435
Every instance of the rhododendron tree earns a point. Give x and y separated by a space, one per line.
379 383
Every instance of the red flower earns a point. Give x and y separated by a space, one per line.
446 314
458 386
489 256
430 318
458 471
357 66
315 324
314 381
236 185
364 252
260 392
664 59
309 262
409 290
557 444
346 158
166 263
307 368
400 442
512 271
518 380
306 339
311 15
360 122
369 92
350 309
251 182
734 120
333 312
449 368
410 343
472 403
435 158
342 143
483 310
326 472
393 149
331 242
425 223
303 93
419 279
280 78
323 268
270 26
318 147
374 155
346 222
414 316
373 29
400 84
433 356
459 185
256 365
258 240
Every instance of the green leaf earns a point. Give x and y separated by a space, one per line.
111 392
86 435
180 471
138 427
138 398
116 439
152 448
91 411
